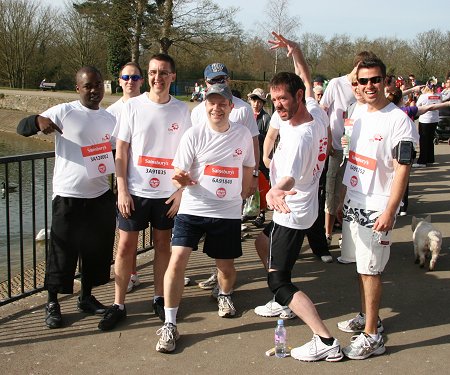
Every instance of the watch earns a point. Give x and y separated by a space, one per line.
255 173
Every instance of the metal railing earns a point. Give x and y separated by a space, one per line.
25 219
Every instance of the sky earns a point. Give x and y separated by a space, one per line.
356 18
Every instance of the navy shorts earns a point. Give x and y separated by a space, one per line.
222 240
146 210
285 246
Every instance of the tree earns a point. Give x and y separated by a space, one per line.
312 48
193 24
279 20
23 26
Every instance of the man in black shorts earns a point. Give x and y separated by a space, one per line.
214 165
295 171
151 126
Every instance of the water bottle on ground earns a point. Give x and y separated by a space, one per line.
280 340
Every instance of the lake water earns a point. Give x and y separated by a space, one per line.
10 226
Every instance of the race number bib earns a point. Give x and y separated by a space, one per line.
359 172
223 182
156 173
98 159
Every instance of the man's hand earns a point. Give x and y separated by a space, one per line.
47 126
281 42
384 222
182 179
253 187
175 199
125 204
275 199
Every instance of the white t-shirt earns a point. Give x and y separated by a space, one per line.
427 99
300 154
337 97
215 160
154 132
374 136
116 109
81 127
241 113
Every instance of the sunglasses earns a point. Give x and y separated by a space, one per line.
214 81
365 81
134 77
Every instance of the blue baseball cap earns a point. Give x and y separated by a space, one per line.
215 70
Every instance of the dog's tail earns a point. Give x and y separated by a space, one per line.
435 238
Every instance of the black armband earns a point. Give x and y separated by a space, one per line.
404 152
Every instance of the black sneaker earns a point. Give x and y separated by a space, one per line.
90 305
259 221
158 308
53 317
113 315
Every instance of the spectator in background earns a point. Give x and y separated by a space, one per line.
257 99
131 79
318 93
427 124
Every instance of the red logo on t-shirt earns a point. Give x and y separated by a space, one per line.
221 192
154 182
174 127
354 181
102 168
237 152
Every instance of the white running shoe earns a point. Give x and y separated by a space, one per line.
357 324
133 283
316 350
363 346
187 280
169 335
211 282
273 308
226 307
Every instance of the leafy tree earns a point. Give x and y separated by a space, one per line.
23 28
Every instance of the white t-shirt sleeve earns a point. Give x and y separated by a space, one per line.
124 125
185 152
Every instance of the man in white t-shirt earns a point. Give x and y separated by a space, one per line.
294 172
376 175
151 126
213 165
131 79
83 205
336 99
242 113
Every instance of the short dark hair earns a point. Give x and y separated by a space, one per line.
291 80
134 64
395 96
166 58
363 55
88 69
373 62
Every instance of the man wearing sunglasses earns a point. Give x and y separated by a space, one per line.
376 175
131 79
336 99
151 126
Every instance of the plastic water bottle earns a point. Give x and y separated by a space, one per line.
280 340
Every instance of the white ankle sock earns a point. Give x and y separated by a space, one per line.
171 315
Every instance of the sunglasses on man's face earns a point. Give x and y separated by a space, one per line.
365 81
219 80
134 77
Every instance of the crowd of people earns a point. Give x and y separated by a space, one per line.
187 174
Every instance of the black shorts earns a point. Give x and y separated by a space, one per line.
222 240
285 244
147 210
81 229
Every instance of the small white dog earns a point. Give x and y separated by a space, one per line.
427 239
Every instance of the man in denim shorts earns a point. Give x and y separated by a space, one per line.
375 178
214 165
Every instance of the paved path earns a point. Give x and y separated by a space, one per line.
415 312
